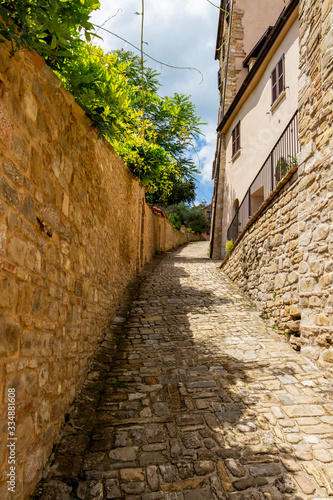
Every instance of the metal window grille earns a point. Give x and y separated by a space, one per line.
280 160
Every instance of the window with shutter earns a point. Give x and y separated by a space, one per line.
278 80
219 79
236 139
227 9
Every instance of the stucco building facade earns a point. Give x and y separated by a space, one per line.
251 119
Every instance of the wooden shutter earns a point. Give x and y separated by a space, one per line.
277 77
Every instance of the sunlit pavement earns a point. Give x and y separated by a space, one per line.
201 400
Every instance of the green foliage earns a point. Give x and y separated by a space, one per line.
155 147
229 244
176 124
174 220
198 221
106 85
192 217
99 83
283 165
51 27
149 162
172 125
181 210
181 190
153 140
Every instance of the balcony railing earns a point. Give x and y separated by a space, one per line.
281 159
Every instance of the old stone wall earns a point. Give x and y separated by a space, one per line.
74 229
236 54
265 260
316 171
284 259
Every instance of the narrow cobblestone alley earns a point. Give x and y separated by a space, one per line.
201 401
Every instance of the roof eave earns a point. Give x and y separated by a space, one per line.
284 17
219 31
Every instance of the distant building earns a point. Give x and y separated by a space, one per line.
159 212
208 213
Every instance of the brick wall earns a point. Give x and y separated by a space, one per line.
74 229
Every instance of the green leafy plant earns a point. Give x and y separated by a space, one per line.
283 166
155 147
229 244
99 83
155 144
51 27
174 220
274 294
193 218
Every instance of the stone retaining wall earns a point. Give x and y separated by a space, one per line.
265 260
283 260
316 200
74 229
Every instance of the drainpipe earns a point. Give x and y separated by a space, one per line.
217 175
227 58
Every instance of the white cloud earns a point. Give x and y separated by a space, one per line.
207 154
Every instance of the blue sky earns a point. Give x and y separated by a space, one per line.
180 33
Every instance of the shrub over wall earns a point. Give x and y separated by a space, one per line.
229 245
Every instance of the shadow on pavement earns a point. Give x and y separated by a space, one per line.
186 399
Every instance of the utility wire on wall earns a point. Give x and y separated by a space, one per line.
142 69
153 58
231 15
147 55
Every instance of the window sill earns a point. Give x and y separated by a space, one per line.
277 101
236 155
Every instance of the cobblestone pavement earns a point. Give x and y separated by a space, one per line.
202 401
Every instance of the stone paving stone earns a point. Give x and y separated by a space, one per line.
200 400
224 478
112 488
305 484
323 456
